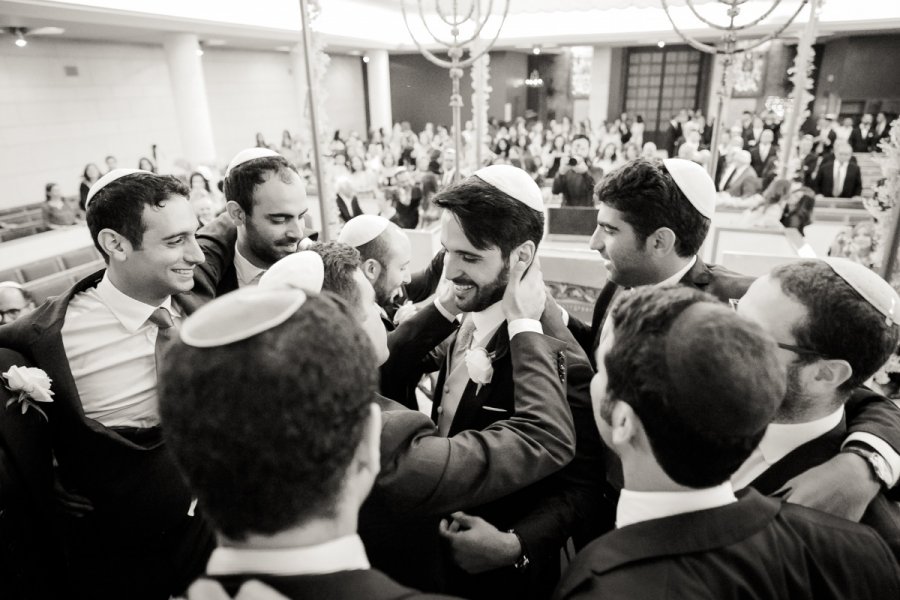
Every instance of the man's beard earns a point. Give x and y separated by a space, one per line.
383 295
797 403
487 294
269 252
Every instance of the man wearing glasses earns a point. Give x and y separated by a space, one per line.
15 302
836 324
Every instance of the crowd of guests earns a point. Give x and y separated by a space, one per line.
234 409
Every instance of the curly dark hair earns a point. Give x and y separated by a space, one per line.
341 263
265 428
242 181
840 323
120 205
703 393
648 198
489 217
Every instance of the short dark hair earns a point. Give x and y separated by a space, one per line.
265 428
840 323
120 205
724 377
242 181
341 263
378 249
648 198
490 217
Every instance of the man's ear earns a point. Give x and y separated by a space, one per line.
831 374
626 425
526 252
116 246
236 213
371 268
661 242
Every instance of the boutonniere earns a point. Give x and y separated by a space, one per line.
29 385
478 363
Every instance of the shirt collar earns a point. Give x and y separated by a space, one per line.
676 277
636 507
246 271
487 322
131 313
342 554
781 439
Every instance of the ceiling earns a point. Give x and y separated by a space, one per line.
274 24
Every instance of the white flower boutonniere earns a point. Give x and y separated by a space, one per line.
29 386
478 363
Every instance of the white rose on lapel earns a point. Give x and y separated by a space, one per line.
28 385
478 363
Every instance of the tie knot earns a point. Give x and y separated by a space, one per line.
162 318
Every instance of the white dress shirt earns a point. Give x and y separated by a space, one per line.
726 177
636 507
780 440
342 554
110 345
247 272
840 173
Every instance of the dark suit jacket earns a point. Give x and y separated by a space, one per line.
350 585
800 215
824 183
216 276
758 162
809 169
860 142
346 212
712 279
673 132
754 548
543 514
884 135
883 515
139 497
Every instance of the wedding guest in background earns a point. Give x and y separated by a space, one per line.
15 302
56 212
88 178
145 164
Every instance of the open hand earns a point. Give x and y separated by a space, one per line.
477 546
525 294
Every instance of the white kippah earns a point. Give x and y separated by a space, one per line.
362 230
106 180
247 155
240 315
695 183
514 182
868 284
300 271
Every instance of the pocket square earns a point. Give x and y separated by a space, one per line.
493 409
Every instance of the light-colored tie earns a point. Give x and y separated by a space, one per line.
167 331
463 340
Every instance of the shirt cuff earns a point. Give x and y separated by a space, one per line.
444 311
881 447
565 316
522 325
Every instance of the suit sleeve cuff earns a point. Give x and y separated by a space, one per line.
522 325
881 447
447 315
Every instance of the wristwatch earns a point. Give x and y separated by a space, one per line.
880 468
523 561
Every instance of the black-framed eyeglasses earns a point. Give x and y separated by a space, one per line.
733 302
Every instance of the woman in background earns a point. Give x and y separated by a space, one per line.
768 213
798 211
145 164
88 178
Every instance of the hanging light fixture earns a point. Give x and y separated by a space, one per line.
534 80
21 42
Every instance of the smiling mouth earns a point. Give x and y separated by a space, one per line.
185 271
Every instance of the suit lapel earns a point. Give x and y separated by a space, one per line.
473 397
601 312
801 459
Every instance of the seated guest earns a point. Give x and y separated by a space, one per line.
385 252
863 137
799 208
15 302
882 131
800 303
307 448
347 204
99 342
266 205
839 178
743 181
88 178
763 153
56 212
684 392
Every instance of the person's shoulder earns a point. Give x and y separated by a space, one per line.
221 230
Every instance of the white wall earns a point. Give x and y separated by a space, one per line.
249 91
51 124
345 95
121 103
